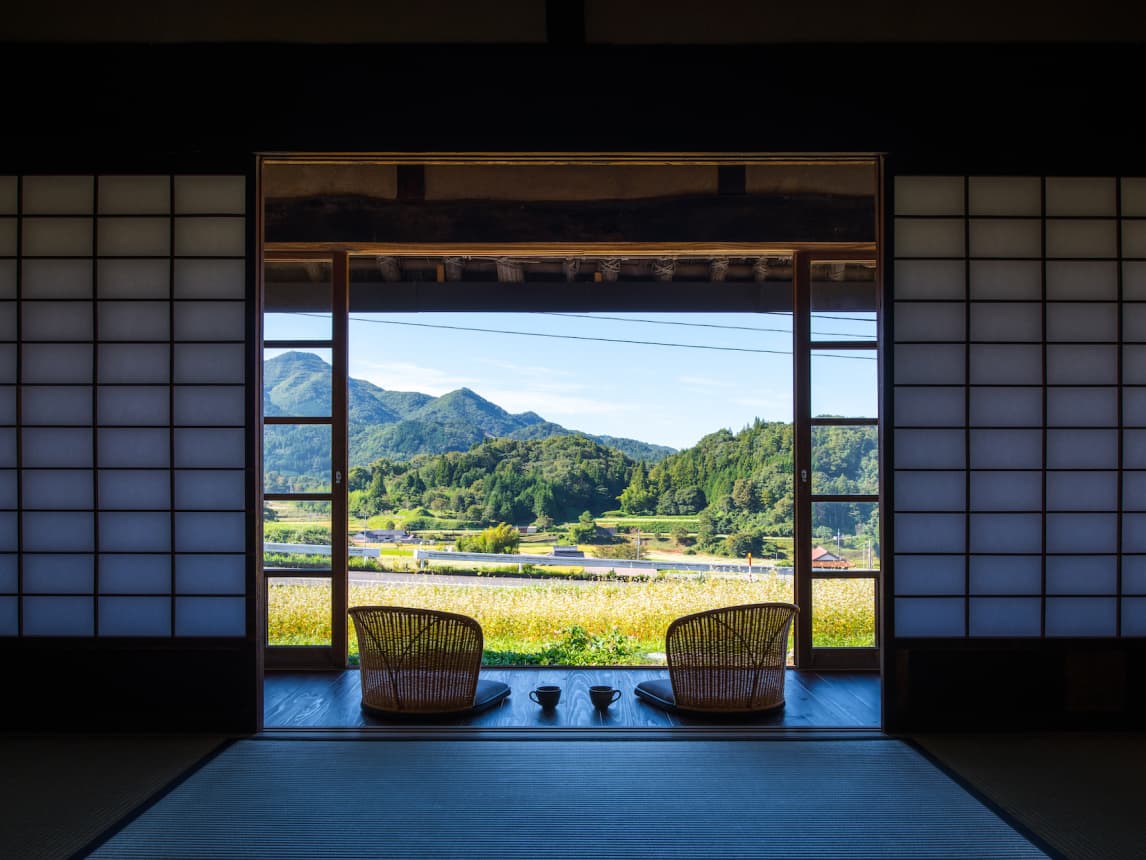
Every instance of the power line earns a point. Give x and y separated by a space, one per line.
595 339
702 325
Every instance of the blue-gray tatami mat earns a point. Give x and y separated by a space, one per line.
562 798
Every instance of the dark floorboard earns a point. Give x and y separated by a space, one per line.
834 700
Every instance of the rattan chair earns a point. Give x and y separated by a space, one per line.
725 661
420 662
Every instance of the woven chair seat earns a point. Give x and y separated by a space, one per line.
725 661
421 662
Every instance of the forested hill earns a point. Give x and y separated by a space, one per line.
394 425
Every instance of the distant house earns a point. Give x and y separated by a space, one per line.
527 530
825 558
385 536
567 552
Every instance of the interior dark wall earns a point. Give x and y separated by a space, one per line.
931 108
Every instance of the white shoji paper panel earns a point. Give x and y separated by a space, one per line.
199 363
9 532
56 321
1082 533
8 488
200 448
1004 321
1081 616
926 533
1082 365
134 279
210 195
56 362
1082 239
134 405
8 574
1134 365
933 321
1076 321
1134 196
7 404
7 279
56 447
929 195
929 617
54 531
1082 449
995 533
210 532
1134 238
214 490
930 279
134 363
1081 196
7 362
1134 449
134 532
8 195
1134 491
929 574
57 237
210 574
938 407
56 279
1072 279
134 195
8 321
64 404
1005 195
1134 406
8 234
134 237
1082 574
929 449
1134 574
929 491
1006 449
9 616
1082 491
210 237
1006 238
1134 281
929 364
209 406
210 616
134 321
135 574
134 448
1006 574
57 489
1006 491
1006 407
1006 616
58 195
210 279
135 489
1134 321
1133 532
1073 407
58 574
928 238
1133 616
209 321
58 616
1006 364
1013 280
8 448
135 616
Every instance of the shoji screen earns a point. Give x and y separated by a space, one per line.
1019 371
122 406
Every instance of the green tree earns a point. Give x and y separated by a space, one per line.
502 538
584 530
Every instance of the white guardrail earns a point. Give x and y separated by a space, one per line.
590 561
318 549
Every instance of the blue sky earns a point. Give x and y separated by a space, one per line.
665 394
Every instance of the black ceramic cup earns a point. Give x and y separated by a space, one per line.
546 695
603 695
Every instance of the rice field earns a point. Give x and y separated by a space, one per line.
522 622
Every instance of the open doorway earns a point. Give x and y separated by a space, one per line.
573 439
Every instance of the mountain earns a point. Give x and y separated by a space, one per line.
398 425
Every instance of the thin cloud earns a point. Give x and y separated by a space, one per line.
406 376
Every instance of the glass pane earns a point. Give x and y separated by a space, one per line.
845 460
296 383
844 301
843 613
297 300
296 458
845 536
296 535
845 384
298 611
